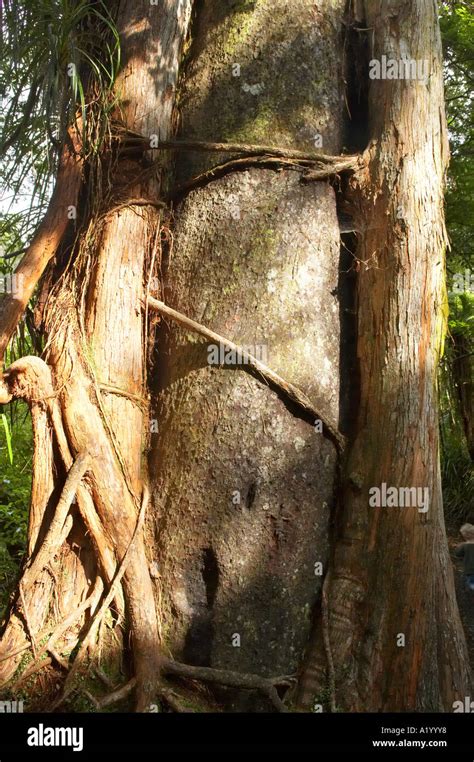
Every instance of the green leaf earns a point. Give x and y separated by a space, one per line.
8 437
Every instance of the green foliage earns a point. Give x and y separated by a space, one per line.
15 486
8 437
59 59
458 482
457 28
461 321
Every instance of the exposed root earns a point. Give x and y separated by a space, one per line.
54 536
57 633
265 685
118 695
132 139
24 616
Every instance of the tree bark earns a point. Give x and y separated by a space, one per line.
95 326
244 484
391 570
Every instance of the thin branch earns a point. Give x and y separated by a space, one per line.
239 165
462 357
332 169
288 390
14 254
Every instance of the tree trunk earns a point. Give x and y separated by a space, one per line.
391 573
245 483
95 324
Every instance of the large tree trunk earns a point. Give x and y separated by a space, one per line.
391 573
244 483
95 324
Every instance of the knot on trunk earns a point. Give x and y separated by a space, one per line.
30 379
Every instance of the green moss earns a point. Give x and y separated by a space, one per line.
240 28
255 130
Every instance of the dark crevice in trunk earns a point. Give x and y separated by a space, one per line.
210 575
314 684
350 381
356 76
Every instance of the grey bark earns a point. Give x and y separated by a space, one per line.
256 259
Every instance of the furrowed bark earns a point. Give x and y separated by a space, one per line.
392 576
95 328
